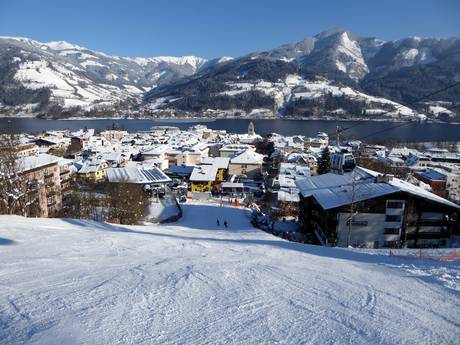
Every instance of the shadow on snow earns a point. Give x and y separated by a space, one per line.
6 242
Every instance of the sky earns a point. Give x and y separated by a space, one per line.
213 28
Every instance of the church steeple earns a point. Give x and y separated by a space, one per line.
251 130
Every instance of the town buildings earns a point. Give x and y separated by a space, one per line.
365 208
247 162
42 178
347 206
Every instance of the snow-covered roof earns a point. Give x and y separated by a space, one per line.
190 150
288 196
138 175
247 157
309 185
232 185
64 161
235 147
112 156
343 195
204 173
219 162
180 169
89 168
420 192
334 190
433 175
294 169
287 181
157 150
248 138
297 158
403 151
34 162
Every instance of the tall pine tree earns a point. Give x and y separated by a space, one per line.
324 163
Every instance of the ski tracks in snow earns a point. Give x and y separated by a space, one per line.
195 285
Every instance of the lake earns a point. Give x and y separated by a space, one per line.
369 131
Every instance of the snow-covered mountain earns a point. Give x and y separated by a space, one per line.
360 77
65 76
341 51
289 93
351 77
330 51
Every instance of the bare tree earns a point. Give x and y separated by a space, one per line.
83 202
126 202
289 209
17 193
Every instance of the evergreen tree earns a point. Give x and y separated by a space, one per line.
324 163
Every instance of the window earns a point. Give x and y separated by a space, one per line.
391 231
393 218
357 222
434 216
395 204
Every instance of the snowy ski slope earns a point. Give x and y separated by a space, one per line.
81 282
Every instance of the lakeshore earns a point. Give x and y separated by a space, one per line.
377 130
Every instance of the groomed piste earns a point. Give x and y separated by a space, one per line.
66 281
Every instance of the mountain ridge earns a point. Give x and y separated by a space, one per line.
64 79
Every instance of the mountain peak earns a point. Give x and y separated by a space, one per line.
62 45
335 31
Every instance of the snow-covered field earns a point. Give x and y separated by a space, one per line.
69 281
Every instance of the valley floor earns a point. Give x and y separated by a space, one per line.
65 281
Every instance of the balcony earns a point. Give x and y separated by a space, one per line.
393 218
49 182
433 222
394 211
65 180
51 193
442 233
